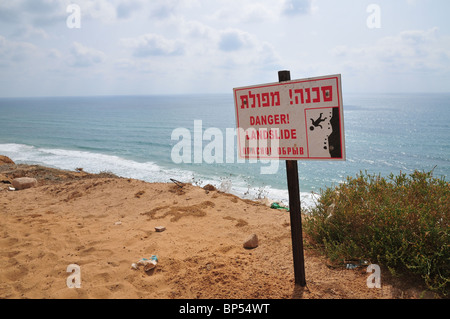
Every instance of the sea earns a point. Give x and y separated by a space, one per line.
140 136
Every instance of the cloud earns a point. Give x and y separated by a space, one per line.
126 8
197 29
298 7
99 10
163 9
29 32
9 12
151 44
234 39
238 12
257 13
54 54
37 12
15 51
408 51
41 6
82 56
411 60
44 12
227 48
206 55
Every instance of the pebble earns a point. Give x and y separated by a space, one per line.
251 242
24 183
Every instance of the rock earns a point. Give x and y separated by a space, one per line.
251 242
209 187
4 179
24 183
5 160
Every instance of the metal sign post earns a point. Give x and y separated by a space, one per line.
292 120
295 210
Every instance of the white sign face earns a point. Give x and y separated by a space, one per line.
292 120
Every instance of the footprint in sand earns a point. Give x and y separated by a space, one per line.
177 212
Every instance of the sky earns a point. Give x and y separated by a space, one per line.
137 47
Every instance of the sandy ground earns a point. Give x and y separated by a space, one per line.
103 224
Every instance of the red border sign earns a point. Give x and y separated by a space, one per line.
293 120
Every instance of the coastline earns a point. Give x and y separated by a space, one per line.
104 223
95 163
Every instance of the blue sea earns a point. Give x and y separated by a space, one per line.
134 137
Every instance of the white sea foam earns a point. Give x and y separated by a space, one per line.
241 189
91 162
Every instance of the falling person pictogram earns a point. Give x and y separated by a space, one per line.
317 122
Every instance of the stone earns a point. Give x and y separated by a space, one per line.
4 179
5 160
24 183
251 242
209 187
160 229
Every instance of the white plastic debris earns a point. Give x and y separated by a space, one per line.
148 264
160 229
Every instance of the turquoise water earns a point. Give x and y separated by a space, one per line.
131 136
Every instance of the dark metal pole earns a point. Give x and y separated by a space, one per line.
295 209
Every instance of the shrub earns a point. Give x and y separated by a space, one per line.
401 222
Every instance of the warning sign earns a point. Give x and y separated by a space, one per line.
292 120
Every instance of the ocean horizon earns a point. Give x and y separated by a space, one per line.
135 137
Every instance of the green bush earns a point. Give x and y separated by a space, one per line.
401 222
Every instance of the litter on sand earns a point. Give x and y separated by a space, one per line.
148 264
160 229
278 206
353 264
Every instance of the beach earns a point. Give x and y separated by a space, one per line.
103 224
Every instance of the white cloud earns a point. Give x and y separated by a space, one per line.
407 51
239 12
15 51
298 7
153 45
82 56
235 39
196 29
125 9
54 54
9 12
29 32
258 13
262 11
98 10
163 9
35 12
413 60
